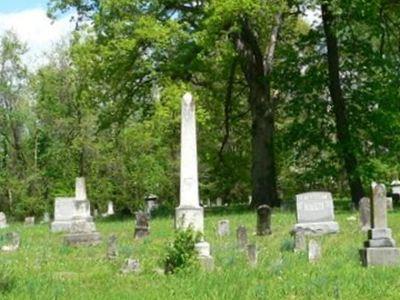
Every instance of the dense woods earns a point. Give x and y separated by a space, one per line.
284 104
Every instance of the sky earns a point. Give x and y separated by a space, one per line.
27 18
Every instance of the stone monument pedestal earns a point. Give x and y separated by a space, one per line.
317 228
380 248
189 216
82 234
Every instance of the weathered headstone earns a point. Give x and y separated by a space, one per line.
300 241
190 214
131 266
68 210
380 249
241 236
315 215
223 228
12 242
365 213
252 254
142 228
219 202
112 251
3 220
264 220
314 251
82 233
29 221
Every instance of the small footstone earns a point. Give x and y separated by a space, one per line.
300 241
131 266
241 235
223 228
252 254
314 251
112 251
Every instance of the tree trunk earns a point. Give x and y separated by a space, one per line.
257 67
263 172
339 108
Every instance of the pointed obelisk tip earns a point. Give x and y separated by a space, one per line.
188 98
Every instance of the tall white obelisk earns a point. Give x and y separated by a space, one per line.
189 213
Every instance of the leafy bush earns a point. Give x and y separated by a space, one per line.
181 254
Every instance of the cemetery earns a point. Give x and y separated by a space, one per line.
200 150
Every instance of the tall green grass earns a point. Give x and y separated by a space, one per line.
45 269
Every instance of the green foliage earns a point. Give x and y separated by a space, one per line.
181 254
7 281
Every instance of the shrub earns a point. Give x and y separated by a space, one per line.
181 254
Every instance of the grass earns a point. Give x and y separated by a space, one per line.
45 269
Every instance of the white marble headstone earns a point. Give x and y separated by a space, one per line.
315 214
314 207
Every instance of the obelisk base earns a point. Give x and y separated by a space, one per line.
205 258
189 217
380 256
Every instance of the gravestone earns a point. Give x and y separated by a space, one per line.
263 220
219 202
223 228
380 249
300 241
3 220
142 225
29 221
190 214
314 251
315 214
68 210
252 254
131 266
241 236
82 233
110 208
365 213
12 242
112 251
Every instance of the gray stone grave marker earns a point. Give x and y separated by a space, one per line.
365 213
315 215
380 249
241 235
223 228
264 220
